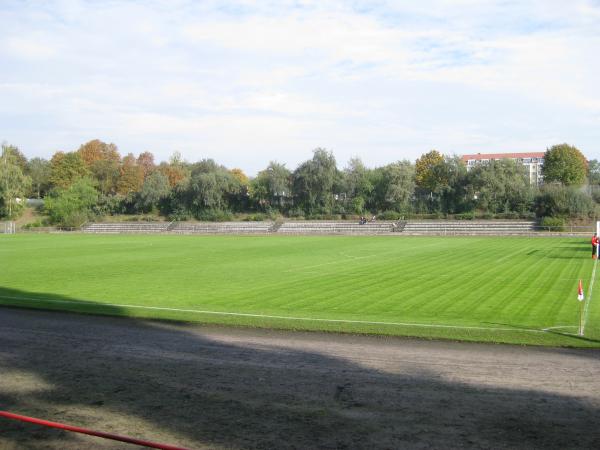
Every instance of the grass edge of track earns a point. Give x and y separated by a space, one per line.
484 334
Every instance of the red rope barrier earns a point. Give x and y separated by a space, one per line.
62 426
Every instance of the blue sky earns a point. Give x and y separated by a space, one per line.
246 82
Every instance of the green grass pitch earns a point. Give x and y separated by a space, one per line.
499 289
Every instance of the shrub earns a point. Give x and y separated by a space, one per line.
389 215
214 215
36 224
552 223
143 218
180 215
324 217
109 205
465 216
296 213
358 205
72 207
560 201
509 215
257 217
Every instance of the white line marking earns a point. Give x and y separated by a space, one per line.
586 307
265 316
356 257
560 326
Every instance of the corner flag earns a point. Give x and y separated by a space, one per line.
580 292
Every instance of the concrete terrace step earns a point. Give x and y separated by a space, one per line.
330 227
221 227
126 227
468 227
319 227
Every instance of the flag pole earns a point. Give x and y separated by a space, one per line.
580 318
581 299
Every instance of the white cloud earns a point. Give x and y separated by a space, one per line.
30 48
279 78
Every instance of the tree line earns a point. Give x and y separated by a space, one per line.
96 180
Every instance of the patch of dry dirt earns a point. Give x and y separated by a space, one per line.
211 387
29 215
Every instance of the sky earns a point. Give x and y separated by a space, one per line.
247 82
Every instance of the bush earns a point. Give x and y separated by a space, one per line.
389 215
36 224
465 216
180 215
143 218
358 205
324 217
553 223
72 207
258 217
214 215
509 215
560 201
296 213
109 205
337 209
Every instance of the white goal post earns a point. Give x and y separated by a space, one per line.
7 227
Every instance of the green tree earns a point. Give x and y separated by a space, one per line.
14 185
358 185
441 187
313 182
452 175
155 189
107 173
564 164
271 187
209 187
72 206
395 186
594 172
564 201
17 157
39 170
500 186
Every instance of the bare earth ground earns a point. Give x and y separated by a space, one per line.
211 387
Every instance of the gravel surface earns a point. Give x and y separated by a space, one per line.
217 387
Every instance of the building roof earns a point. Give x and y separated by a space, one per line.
480 156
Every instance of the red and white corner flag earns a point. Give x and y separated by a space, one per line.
580 292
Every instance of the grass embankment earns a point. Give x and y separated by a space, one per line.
467 288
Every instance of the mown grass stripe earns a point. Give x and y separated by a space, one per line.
450 281
267 316
589 297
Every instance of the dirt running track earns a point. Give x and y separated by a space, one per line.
210 387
